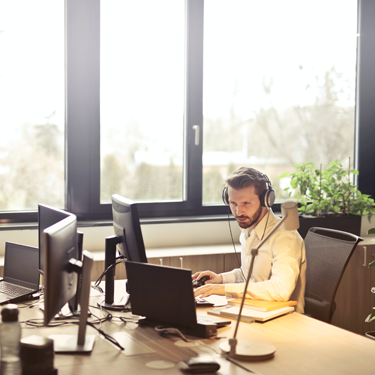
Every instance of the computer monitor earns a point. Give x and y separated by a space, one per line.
60 281
48 216
128 229
128 240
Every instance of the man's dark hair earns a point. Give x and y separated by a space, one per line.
244 177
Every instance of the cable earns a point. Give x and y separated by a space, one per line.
106 336
113 265
37 323
234 246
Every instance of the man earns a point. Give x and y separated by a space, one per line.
279 271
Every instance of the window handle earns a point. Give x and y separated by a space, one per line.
196 129
364 256
161 261
181 262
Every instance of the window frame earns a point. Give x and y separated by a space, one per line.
82 137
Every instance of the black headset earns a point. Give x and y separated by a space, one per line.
267 198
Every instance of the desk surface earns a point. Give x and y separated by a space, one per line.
303 346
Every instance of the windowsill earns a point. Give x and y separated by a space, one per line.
172 252
106 223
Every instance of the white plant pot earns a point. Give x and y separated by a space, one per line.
366 225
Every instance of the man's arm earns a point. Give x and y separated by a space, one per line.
210 286
286 249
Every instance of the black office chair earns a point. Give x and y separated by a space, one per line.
327 254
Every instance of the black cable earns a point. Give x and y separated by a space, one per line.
106 336
234 246
128 320
113 317
113 265
75 320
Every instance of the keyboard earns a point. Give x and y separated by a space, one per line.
219 322
13 290
201 302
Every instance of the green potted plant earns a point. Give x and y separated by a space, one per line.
329 197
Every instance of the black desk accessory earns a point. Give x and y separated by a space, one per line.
165 296
200 364
37 356
200 282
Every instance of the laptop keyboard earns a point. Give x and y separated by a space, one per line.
13 290
202 302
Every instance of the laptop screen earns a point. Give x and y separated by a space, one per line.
163 295
21 265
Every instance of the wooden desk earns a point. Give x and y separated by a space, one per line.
304 346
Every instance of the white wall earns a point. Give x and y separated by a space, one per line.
154 235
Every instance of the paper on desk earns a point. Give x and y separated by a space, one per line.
217 300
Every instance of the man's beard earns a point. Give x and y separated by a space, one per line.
251 221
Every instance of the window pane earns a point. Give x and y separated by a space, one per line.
31 103
142 96
279 87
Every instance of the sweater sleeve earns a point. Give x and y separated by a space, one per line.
286 257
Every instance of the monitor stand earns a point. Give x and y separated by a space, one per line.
80 343
110 258
74 302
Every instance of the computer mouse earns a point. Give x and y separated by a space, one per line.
200 364
200 282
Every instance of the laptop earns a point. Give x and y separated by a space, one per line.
21 274
164 296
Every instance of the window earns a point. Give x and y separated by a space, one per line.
279 87
164 98
31 104
142 99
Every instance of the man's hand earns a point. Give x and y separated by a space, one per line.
211 286
208 289
214 277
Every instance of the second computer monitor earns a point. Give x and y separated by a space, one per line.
128 230
47 216
128 240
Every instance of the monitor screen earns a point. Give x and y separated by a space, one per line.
47 216
128 229
60 284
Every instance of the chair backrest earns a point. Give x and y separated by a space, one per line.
328 252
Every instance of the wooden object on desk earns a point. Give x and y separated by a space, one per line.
260 305
249 315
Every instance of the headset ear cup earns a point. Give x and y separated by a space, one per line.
263 198
269 197
225 196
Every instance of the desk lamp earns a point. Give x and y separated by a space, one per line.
248 350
